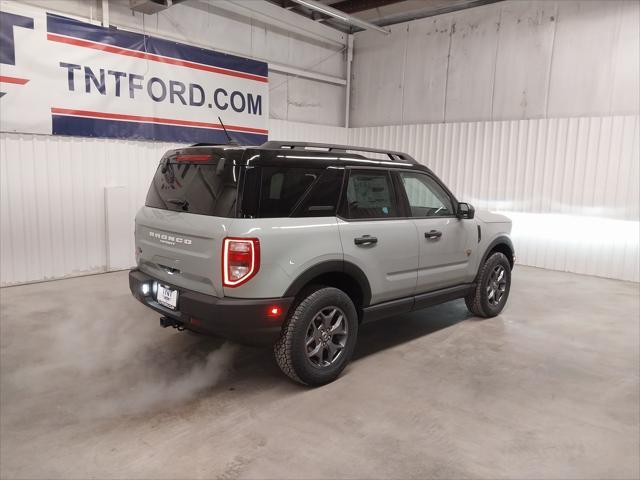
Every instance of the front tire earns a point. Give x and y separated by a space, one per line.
492 287
318 337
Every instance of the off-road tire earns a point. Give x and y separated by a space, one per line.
290 350
477 301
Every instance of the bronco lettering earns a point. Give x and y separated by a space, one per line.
170 239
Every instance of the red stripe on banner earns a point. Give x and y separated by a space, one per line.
150 56
17 81
167 121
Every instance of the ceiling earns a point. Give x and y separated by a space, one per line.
380 12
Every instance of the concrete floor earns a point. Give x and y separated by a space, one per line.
92 387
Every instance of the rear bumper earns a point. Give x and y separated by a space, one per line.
243 320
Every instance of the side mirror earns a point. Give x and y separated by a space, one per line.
466 211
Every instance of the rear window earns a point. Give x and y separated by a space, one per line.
200 182
272 191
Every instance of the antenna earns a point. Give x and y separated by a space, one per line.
229 137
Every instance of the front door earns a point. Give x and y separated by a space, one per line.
445 241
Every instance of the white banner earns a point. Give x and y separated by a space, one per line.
62 76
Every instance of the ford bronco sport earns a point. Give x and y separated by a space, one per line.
297 244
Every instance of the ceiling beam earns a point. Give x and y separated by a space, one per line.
416 14
353 6
272 14
340 15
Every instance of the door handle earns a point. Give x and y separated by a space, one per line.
365 240
433 234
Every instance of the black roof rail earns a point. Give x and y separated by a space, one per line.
331 147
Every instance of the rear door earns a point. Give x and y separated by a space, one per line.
445 241
375 238
189 207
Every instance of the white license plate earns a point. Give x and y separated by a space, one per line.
167 297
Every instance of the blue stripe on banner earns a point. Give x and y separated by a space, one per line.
144 43
93 127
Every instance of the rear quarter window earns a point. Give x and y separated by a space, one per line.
323 198
275 191
282 188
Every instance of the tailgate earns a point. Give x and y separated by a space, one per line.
181 248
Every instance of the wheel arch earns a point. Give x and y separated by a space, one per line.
502 244
337 273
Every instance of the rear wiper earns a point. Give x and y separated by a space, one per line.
180 203
164 164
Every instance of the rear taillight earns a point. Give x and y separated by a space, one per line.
240 260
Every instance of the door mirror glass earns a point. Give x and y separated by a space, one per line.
466 210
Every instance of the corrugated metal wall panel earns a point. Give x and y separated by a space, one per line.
52 212
571 184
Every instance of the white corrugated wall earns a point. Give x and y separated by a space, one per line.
570 185
52 209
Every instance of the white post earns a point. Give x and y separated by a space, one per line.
105 13
348 93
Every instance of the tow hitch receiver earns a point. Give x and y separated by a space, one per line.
170 322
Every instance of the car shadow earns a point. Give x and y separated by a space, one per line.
254 368
387 333
373 337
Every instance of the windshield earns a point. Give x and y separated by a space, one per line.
200 182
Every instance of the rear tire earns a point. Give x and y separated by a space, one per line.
493 284
318 337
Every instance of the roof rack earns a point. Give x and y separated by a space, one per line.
331 147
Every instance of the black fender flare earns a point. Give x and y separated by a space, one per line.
332 266
497 241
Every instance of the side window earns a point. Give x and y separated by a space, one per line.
426 197
323 198
370 195
270 192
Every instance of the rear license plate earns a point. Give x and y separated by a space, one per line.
167 297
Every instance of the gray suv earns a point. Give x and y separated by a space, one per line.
297 244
